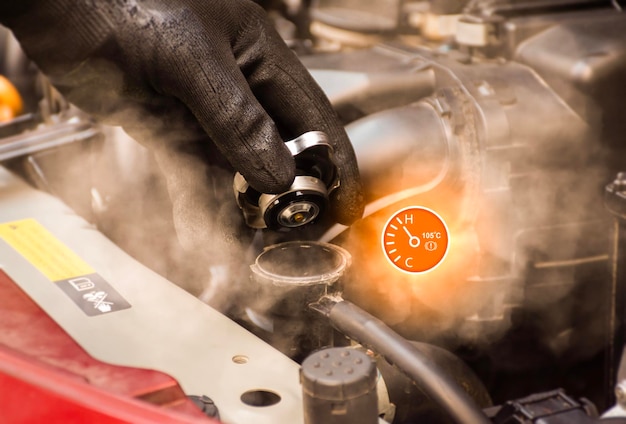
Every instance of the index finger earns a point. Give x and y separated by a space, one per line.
212 86
297 105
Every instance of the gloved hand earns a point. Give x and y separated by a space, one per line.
207 85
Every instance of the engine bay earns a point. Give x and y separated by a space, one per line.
503 118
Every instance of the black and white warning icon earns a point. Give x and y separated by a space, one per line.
98 299
93 294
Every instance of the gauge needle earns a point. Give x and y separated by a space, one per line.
414 241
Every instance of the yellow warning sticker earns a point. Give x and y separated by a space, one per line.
43 250
80 282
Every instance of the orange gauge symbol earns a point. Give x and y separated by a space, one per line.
415 239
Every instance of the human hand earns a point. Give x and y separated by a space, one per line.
207 85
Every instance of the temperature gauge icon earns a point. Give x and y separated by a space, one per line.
415 239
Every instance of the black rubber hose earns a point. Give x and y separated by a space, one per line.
376 335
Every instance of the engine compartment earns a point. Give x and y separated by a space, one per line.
503 117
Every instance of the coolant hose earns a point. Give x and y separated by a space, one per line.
373 333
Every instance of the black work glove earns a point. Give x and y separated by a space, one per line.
208 85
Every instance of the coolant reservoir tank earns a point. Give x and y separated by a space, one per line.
287 278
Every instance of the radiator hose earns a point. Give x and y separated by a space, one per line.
376 335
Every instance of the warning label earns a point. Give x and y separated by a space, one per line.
92 293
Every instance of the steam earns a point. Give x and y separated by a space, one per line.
535 240
118 185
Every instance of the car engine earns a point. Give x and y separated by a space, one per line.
504 118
